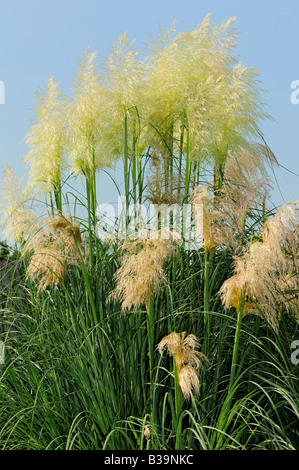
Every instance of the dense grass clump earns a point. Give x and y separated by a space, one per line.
167 332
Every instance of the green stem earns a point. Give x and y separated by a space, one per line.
139 178
207 301
178 406
227 405
90 224
187 174
88 286
150 333
181 155
236 342
134 171
126 170
151 342
93 204
93 193
51 203
58 198
187 182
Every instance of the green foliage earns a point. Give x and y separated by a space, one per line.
69 383
81 373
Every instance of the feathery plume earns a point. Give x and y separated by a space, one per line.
248 165
268 269
234 207
87 119
123 77
235 115
188 381
53 246
46 140
17 214
164 96
187 359
141 272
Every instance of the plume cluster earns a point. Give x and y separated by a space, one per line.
53 245
199 97
187 360
268 271
141 272
189 95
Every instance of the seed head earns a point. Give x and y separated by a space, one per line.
141 272
268 270
17 214
188 381
87 119
187 359
53 246
147 432
46 140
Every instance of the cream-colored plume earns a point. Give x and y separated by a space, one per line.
187 359
141 272
17 215
46 141
53 245
269 269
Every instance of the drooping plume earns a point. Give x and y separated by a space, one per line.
268 270
53 246
141 272
188 360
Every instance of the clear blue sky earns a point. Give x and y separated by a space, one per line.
40 38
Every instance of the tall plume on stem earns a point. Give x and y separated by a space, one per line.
86 119
46 140
122 75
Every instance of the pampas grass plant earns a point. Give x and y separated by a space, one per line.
183 122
